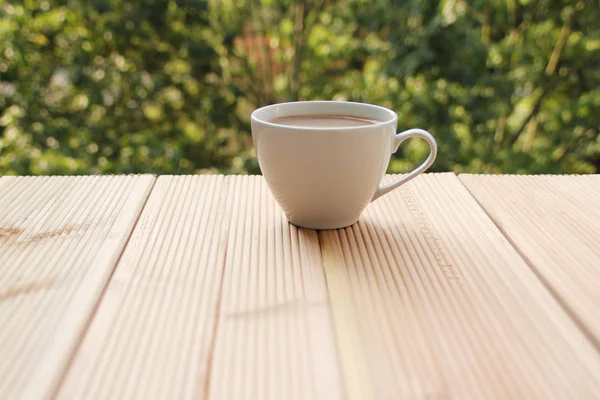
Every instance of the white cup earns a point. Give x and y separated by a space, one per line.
324 177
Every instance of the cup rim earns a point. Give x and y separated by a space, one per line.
393 115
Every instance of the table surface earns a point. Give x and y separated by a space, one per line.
196 287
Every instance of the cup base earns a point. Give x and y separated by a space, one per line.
322 226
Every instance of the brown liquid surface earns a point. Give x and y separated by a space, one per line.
323 121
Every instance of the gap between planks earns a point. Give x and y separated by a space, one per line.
80 338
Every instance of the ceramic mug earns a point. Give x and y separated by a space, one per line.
324 177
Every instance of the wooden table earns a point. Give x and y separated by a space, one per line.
177 287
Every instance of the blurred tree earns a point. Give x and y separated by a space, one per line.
167 86
115 86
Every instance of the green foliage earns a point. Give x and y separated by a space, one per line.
167 86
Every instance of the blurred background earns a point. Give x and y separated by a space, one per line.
167 86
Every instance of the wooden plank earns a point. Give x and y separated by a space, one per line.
275 337
214 297
60 238
554 221
430 300
5 181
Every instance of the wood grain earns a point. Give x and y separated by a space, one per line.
554 221
6 180
215 296
60 239
275 335
431 301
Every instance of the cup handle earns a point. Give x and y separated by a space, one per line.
401 137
